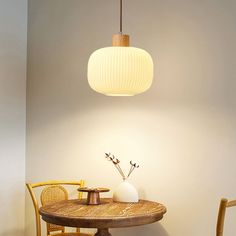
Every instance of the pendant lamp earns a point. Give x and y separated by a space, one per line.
120 70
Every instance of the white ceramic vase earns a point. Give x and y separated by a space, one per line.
125 192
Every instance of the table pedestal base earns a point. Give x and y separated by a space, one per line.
102 232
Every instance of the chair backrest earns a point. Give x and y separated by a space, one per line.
51 194
224 204
53 191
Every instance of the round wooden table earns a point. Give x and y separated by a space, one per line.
109 214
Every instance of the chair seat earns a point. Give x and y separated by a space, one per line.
71 234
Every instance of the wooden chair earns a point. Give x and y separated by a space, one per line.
53 191
224 204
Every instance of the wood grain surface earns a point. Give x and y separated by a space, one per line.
109 214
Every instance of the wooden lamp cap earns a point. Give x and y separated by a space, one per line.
120 40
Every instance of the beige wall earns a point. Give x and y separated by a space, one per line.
182 131
13 32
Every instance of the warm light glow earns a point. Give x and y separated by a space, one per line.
120 71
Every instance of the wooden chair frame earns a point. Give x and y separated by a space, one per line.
43 184
224 204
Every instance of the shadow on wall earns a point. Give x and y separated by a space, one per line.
14 232
148 230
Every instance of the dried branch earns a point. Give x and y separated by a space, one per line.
116 162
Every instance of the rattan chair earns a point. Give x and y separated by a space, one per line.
53 191
224 204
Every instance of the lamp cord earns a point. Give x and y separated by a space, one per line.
121 16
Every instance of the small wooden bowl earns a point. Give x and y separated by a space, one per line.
93 197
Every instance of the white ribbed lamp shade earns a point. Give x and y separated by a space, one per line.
120 71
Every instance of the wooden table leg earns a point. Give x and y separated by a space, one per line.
102 232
